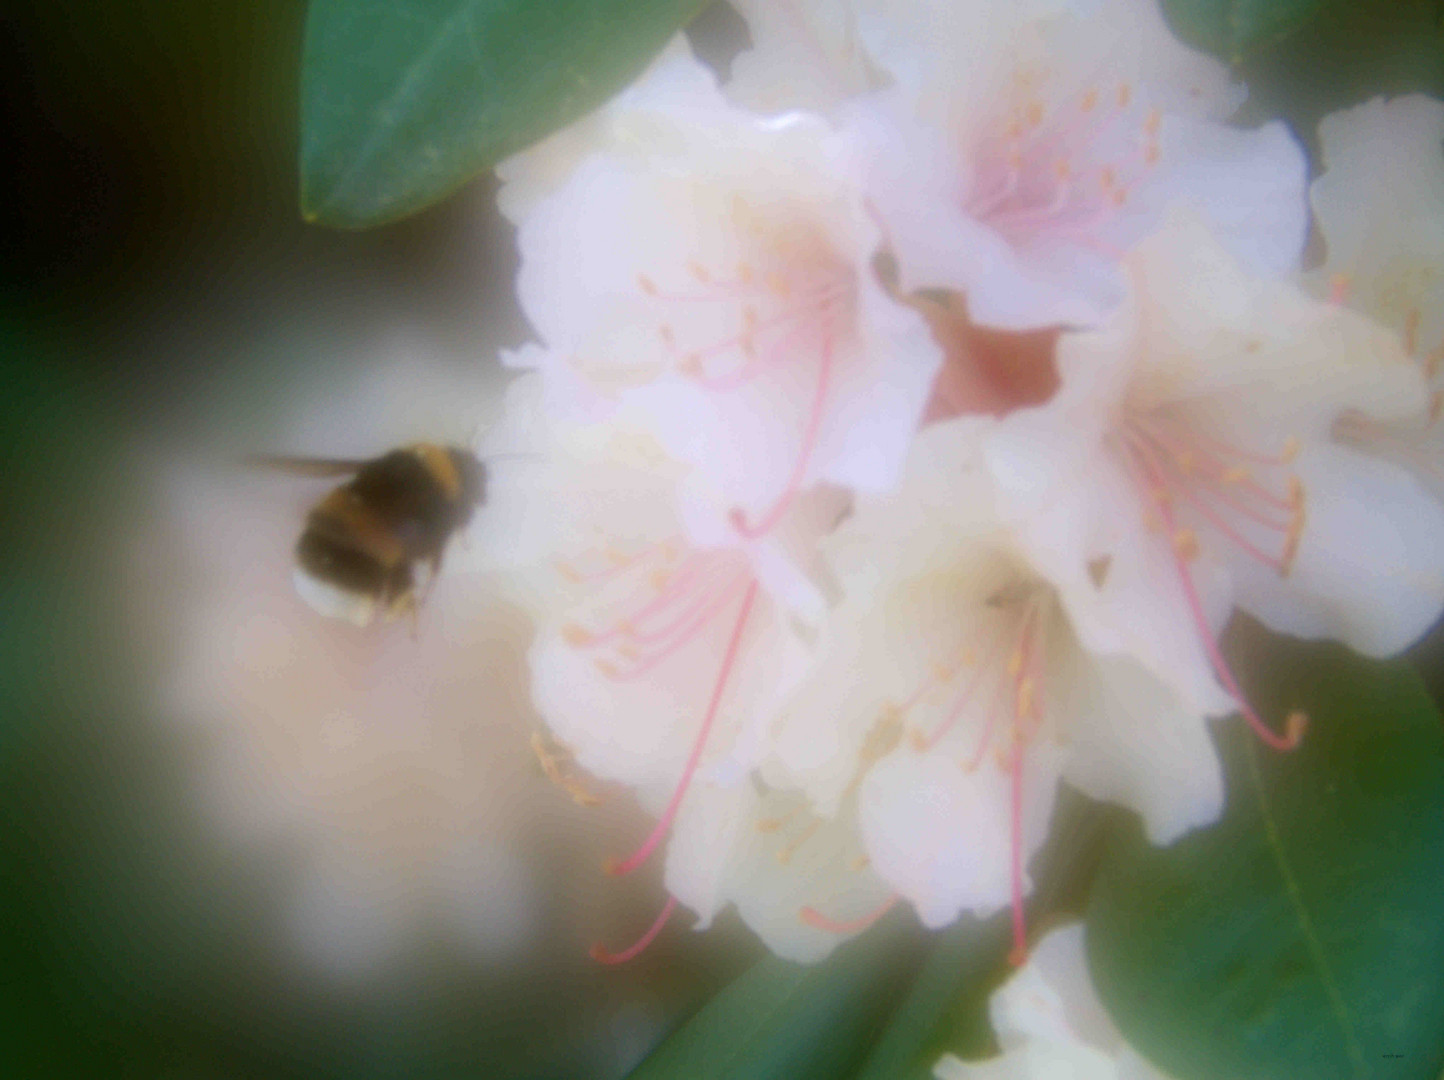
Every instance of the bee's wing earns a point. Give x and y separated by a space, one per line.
305 466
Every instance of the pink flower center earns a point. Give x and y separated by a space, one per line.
1063 171
986 371
782 324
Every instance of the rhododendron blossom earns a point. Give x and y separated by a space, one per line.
952 693
1050 1023
664 639
1186 465
1380 208
722 288
912 412
1021 170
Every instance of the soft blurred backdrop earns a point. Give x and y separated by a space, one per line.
196 880
244 853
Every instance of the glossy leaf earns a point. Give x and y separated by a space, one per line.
786 1021
945 1009
1301 936
1233 28
402 101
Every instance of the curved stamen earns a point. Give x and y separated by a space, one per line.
644 663
799 468
664 824
677 587
602 955
1296 722
928 742
812 917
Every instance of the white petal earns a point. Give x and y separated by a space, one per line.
940 835
674 84
1133 742
809 862
1370 564
1248 185
1384 226
711 823
1052 997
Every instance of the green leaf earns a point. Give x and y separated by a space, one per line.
1233 28
786 1021
946 1007
1300 936
403 101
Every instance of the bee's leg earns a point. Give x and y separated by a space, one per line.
404 605
433 567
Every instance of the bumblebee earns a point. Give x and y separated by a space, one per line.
376 541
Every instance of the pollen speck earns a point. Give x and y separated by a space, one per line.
1185 542
646 284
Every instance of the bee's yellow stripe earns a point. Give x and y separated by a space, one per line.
440 465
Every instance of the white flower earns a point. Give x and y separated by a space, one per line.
1040 143
1186 465
1380 207
806 54
663 643
1050 1024
801 881
721 288
952 694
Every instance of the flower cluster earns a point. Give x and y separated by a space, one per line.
916 407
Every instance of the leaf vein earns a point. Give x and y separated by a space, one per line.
1305 920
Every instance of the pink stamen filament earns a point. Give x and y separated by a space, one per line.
826 297
602 955
704 598
812 917
1206 441
753 365
679 587
664 823
963 698
644 664
1036 154
799 468
1294 728
1204 454
1155 468
995 710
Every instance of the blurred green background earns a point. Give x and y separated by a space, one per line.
160 291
